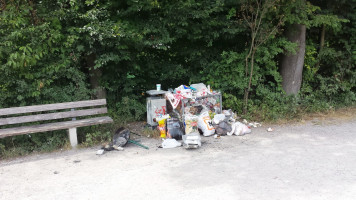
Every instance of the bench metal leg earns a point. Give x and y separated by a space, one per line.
73 136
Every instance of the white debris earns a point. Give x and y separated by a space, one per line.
244 121
192 141
118 148
255 124
100 152
170 143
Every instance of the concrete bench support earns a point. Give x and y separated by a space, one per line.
72 132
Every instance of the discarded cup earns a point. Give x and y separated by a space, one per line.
158 86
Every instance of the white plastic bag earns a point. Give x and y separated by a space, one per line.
201 89
205 124
199 86
170 143
233 127
218 118
239 128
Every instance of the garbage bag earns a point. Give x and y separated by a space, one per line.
174 129
121 137
191 123
239 128
223 128
205 124
218 118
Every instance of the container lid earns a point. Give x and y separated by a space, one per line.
155 92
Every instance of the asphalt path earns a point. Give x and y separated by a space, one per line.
313 160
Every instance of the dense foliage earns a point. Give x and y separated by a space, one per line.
49 50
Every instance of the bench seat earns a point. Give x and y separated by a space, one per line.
53 126
70 115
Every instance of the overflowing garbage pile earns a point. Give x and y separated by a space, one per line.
196 110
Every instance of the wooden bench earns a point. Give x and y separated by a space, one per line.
66 112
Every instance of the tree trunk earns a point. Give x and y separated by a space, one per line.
322 39
95 76
2 5
247 91
292 65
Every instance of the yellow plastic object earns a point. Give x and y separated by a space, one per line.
162 127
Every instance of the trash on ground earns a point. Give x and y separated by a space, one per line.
218 118
270 129
120 139
190 111
205 124
170 143
254 124
192 140
100 152
174 129
118 148
239 129
223 128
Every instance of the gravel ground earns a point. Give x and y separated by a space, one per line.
313 160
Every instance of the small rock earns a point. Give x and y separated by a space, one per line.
270 129
76 161
55 172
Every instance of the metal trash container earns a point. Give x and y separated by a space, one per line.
156 105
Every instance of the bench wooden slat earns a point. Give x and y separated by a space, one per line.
54 126
52 116
48 107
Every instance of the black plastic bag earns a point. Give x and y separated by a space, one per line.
121 137
174 129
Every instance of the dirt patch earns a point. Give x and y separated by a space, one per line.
141 128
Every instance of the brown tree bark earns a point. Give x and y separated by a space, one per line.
33 11
95 77
292 64
2 5
322 39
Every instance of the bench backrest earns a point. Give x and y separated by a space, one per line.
84 106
